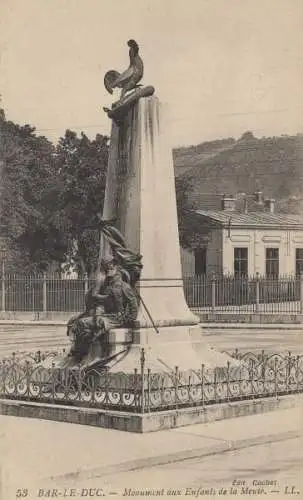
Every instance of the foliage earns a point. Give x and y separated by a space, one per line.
27 163
81 171
49 195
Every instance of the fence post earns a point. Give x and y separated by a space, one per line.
213 291
3 289
142 363
44 293
85 283
257 292
301 293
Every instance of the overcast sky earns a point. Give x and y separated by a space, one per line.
223 66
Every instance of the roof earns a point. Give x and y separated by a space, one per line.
226 218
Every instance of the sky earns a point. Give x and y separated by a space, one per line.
222 66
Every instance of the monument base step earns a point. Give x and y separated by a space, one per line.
148 422
174 346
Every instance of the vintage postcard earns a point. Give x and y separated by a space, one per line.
151 249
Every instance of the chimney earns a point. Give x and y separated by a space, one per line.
246 206
228 203
269 205
258 197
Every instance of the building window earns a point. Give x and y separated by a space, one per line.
240 261
200 261
272 262
299 261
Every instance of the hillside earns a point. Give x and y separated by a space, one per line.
273 165
187 157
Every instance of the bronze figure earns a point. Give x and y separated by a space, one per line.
128 81
111 302
131 77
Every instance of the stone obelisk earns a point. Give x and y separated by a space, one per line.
140 196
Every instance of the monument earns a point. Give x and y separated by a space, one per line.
139 228
138 360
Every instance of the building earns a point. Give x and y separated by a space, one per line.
244 243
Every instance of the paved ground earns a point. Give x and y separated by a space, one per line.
33 337
255 339
15 338
261 451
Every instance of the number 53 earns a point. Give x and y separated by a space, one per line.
21 493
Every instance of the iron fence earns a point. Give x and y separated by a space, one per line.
22 293
42 293
247 376
256 294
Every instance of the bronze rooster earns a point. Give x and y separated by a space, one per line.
130 78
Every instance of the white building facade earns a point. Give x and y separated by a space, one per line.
244 244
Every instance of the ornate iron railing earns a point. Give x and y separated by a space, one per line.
247 376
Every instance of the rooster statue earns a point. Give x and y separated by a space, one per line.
130 78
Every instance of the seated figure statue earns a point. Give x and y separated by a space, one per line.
110 303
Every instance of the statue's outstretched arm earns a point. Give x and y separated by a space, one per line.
101 298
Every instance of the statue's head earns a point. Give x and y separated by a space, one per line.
133 45
108 265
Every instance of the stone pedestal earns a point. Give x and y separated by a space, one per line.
175 346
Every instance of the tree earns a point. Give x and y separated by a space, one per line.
81 172
247 136
49 195
27 163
